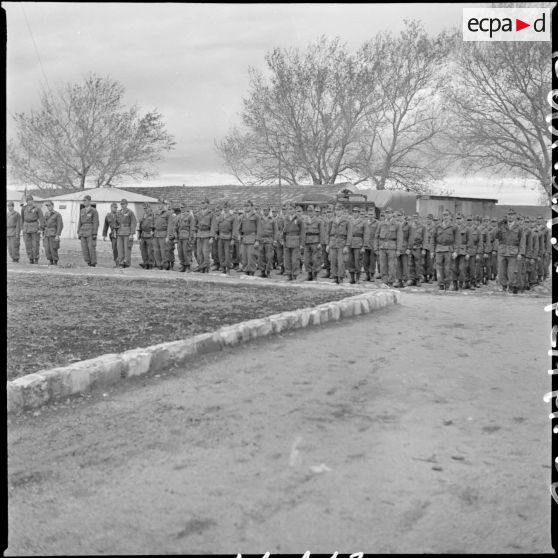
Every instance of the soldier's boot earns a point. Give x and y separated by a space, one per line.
142 265
514 290
368 276
336 280
282 272
399 285
309 277
290 278
454 286
327 273
352 274
420 280
504 288
263 273
54 262
441 287
409 283
225 270
182 268
92 265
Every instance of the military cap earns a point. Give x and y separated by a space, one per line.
511 211
310 207
469 217
176 207
123 200
11 204
205 200
226 204
493 220
317 208
356 208
160 200
146 204
388 210
371 204
415 215
430 216
182 204
338 206
87 197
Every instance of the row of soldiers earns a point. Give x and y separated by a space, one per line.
457 251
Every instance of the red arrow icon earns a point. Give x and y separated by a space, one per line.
519 25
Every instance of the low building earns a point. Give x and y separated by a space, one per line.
467 206
70 204
525 210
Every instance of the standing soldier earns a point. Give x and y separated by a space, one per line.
279 249
267 236
88 226
236 246
474 251
443 249
110 222
494 254
293 234
416 251
171 236
312 242
402 257
511 249
428 260
184 233
340 236
487 244
52 228
225 226
460 264
369 259
523 264
13 232
218 214
32 218
545 247
160 234
356 247
534 251
126 223
248 230
146 228
388 241
327 218
205 228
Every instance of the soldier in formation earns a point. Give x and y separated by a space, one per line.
52 229
146 228
109 227
88 227
13 232
32 219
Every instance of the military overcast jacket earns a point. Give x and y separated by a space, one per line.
340 232
224 225
110 221
511 240
267 230
126 222
444 238
32 218
313 231
417 236
293 231
205 224
88 223
53 224
389 236
359 233
13 223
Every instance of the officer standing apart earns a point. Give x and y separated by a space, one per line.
127 223
146 227
110 222
443 249
88 226
52 228
13 232
32 218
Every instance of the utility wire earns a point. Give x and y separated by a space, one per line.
36 50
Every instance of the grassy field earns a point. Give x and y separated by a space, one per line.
55 320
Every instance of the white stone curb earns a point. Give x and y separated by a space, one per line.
41 387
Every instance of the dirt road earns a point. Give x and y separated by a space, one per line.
407 430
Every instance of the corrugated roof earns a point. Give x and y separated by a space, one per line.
106 195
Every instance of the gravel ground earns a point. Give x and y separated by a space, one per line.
417 428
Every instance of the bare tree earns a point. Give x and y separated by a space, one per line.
85 136
498 98
398 144
305 116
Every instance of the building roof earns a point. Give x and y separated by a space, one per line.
14 195
525 210
192 196
438 197
106 195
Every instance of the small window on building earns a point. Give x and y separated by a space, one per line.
63 206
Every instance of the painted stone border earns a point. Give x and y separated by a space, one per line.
34 390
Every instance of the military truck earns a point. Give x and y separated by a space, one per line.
345 198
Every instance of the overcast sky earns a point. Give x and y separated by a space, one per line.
188 60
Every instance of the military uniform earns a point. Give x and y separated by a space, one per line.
225 225
460 264
88 226
279 250
511 238
52 228
32 218
267 236
248 231
326 264
403 258
340 237
127 223
312 243
110 223
185 234
356 247
417 234
427 245
487 238
163 223
370 254
388 241
475 250
13 232
293 233
146 228
443 245
205 230
235 241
